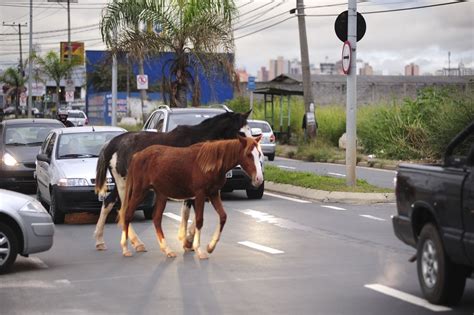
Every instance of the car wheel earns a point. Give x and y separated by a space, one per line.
56 213
148 212
271 157
8 247
256 193
441 281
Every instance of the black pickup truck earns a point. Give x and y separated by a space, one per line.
435 205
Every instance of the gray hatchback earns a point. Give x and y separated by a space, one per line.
25 227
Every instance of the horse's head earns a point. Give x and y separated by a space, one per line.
250 158
228 125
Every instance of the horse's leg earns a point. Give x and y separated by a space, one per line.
120 183
157 218
217 203
187 240
184 221
199 220
107 206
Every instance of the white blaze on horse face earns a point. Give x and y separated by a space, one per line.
258 179
246 130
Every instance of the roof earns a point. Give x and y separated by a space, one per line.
87 129
21 121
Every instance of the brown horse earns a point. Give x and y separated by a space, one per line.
195 172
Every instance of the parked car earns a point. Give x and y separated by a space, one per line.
165 119
20 141
66 169
77 117
25 227
267 143
435 205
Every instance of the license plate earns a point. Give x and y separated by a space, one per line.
228 174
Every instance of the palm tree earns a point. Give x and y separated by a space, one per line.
15 81
52 67
198 32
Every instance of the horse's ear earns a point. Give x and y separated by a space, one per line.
247 114
258 138
243 140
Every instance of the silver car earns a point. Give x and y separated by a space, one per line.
77 117
25 227
267 143
66 169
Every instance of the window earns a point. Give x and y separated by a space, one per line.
50 145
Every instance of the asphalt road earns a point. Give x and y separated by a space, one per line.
377 177
276 256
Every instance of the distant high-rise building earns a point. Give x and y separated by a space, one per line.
327 68
278 66
262 74
412 69
366 69
295 67
243 75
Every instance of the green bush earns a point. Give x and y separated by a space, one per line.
331 123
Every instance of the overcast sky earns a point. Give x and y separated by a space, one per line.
392 40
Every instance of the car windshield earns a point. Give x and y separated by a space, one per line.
76 115
83 145
27 135
265 127
176 119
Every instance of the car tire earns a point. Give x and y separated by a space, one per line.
148 212
271 157
256 193
8 246
441 281
54 210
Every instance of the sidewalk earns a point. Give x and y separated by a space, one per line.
330 196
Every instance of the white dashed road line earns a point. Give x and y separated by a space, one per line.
287 167
287 198
172 216
261 247
38 262
368 216
407 297
334 208
336 174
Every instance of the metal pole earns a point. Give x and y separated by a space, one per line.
251 104
30 64
308 94
114 86
69 47
351 106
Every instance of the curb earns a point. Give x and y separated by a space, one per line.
330 196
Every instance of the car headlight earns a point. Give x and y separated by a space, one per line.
9 160
33 206
73 182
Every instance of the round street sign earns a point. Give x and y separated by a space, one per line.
340 26
346 57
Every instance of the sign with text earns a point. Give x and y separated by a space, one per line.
142 81
251 84
77 49
69 96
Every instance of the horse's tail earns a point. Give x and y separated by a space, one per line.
101 171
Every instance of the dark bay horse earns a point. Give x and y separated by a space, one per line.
195 172
116 156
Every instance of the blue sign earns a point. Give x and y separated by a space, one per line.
251 84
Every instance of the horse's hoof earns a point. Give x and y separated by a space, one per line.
171 254
188 244
203 255
210 249
188 249
100 246
140 248
127 254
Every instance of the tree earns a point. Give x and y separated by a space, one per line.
52 67
199 33
15 81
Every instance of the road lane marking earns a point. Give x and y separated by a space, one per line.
336 174
368 216
287 198
334 208
38 262
268 218
261 247
287 167
407 297
33 284
173 216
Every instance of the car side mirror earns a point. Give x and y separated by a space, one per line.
43 157
256 132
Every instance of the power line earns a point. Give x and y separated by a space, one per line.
57 31
264 28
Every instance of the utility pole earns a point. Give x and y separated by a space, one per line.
30 64
21 47
69 47
114 85
307 92
351 106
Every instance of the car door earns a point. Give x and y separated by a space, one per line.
43 167
468 207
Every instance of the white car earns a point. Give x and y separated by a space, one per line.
66 169
77 117
25 227
267 143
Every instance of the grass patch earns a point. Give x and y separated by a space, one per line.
310 180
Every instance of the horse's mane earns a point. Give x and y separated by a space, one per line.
216 155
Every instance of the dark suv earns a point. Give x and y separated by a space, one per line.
165 119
